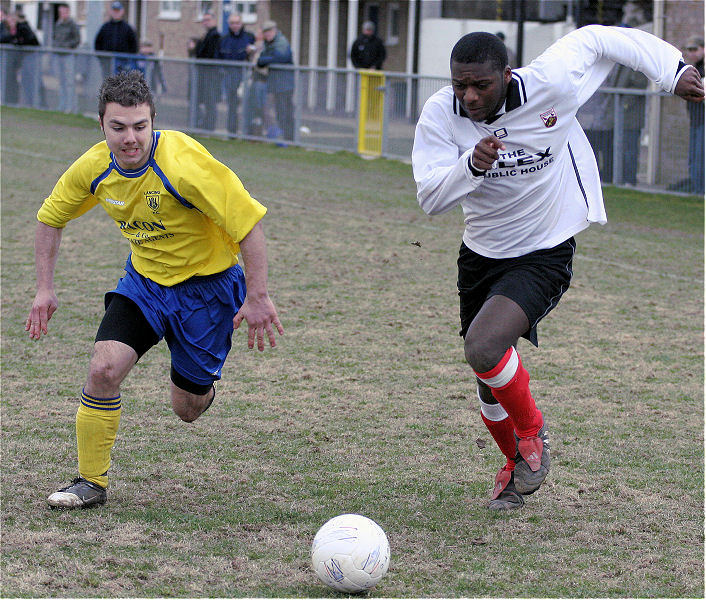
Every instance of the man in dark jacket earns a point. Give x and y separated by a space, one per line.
368 51
236 45
208 86
116 35
19 33
280 82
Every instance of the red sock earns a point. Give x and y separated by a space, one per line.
503 434
509 382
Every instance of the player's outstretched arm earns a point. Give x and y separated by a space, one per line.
46 250
258 310
690 86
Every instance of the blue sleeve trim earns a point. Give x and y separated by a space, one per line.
169 187
680 66
102 176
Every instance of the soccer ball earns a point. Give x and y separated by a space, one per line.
350 553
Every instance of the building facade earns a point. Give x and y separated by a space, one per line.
321 32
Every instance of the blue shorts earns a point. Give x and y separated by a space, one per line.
194 317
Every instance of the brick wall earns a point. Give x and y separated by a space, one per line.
172 36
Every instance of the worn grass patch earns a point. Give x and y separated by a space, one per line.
365 406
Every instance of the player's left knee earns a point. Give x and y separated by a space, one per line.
482 353
190 399
187 411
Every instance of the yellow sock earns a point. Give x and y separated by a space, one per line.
97 423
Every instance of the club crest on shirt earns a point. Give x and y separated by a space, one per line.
152 198
549 118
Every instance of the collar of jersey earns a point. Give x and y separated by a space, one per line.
516 96
143 169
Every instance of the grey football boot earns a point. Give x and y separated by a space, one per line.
532 461
505 495
80 494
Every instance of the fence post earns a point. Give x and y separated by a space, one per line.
297 105
654 116
3 74
37 61
386 112
617 139
193 97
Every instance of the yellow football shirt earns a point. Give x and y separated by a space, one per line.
184 212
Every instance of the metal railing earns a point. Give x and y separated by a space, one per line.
233 99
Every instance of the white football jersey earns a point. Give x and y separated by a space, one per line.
545 186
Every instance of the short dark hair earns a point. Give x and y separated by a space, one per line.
480 47
127 88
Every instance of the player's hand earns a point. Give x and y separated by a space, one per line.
486 153
43 307
260 315
690 86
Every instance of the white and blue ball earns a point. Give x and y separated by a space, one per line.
350 553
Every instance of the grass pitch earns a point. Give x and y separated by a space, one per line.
366 405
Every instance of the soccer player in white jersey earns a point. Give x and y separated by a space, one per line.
505 146
186 216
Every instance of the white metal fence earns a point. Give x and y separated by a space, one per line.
232 99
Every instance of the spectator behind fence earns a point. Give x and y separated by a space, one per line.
596 117
208 81
633 109
368 51
236 45
694 55
257 118
116 35
19 33
151 67
280 82
66 35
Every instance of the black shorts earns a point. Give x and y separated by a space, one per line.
124 322
535 281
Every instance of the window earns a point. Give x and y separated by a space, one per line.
205 6
246 8
393 24
170 9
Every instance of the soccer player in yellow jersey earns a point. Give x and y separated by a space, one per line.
186 216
